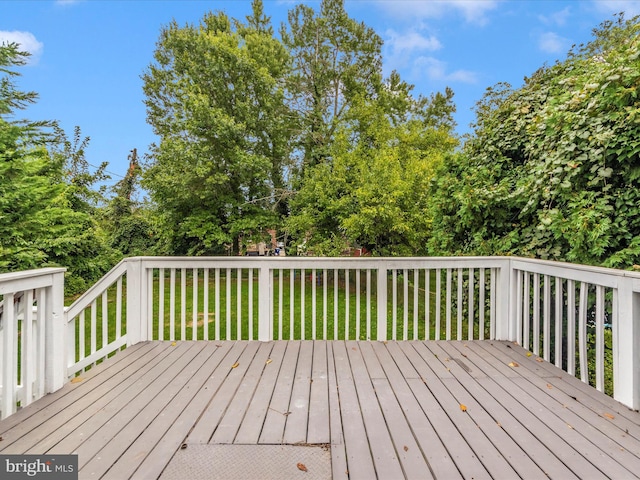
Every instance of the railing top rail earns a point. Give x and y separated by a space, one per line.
320 262
96 289
28 279
599 275
7 277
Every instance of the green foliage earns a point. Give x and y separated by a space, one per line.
552 169
215 98
335 60
46 203
130 223
374 190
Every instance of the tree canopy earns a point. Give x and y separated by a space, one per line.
215 97
303 133
553 168
46 195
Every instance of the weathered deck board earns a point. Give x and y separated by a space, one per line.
387 409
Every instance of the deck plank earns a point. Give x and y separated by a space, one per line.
338 452
35 418
437 457
563 380
155 462
479 407
295 430
51 404
489 396
319 425
250 429
81 418
581 393
139 398
234 415
210 419
411 458
566 444
385 456
109 452
387 409
165 425
427 393
453 397
278 410
359 457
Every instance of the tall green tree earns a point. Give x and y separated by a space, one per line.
553 168
335 60
215 96
374 191
41 220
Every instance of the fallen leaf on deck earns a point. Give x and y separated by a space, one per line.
539 359
173 344
569 426
514 364
529 354
268 361
235 365
463 407
609 416
549 386
406 449
76 379
354 349
303 467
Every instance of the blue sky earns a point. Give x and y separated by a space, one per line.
88 55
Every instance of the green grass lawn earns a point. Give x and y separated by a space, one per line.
353 308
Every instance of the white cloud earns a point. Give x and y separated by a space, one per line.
473 11
557 18
630 7
436 70
406 43
27 41
551 42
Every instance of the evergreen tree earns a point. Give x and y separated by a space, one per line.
44 219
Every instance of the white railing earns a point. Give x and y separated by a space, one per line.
585 320
31 336
96 321
306 298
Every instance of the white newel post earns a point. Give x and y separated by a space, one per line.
382 304
55 341
265 307
626 343
135 301
8 352
505 317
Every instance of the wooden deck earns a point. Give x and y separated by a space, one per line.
389 410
